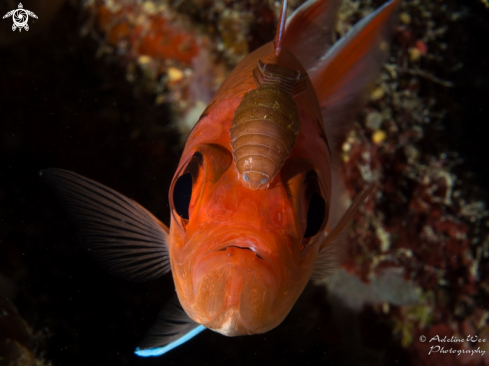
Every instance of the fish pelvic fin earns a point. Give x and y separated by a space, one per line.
345 74
333 247
279 34
309 31
172 328
123 237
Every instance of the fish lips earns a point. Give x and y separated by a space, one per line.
240 244
237 252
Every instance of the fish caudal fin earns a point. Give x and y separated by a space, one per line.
172 328
345 74
309 31
124 238
279 34
333 246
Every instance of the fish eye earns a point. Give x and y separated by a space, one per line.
315 215
316 206
182 194
246 178
183 187
264 180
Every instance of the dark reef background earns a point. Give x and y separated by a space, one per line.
60 106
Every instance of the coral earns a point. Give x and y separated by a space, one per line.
18 345
421 218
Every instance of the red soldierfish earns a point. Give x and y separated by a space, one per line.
254 201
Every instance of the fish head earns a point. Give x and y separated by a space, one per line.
239 257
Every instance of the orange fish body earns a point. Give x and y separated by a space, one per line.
254 201
238 291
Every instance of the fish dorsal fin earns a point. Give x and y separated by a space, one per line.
123 237
331 248
309 31
172 328
277 43
344 76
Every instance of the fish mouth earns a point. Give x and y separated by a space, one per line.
240 242
240 247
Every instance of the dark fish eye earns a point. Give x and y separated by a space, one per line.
264 180
246 178
182 194
315 215
183 188
316 207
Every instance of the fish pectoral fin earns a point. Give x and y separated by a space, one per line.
123 237
332 248
173 327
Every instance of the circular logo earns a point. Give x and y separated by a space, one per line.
422 338
20 17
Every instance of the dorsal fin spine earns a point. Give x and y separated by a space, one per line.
280 28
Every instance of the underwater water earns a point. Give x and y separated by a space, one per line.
62 106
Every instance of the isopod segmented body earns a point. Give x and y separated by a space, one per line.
266 124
